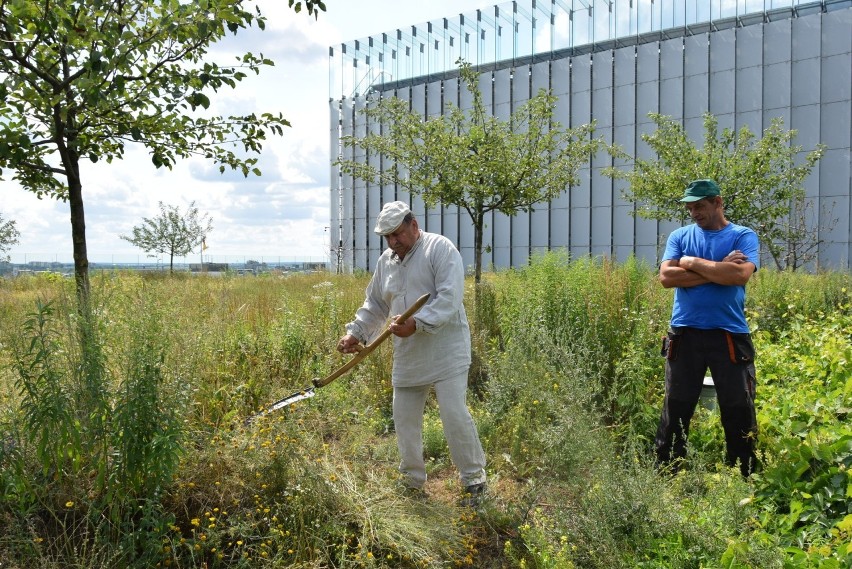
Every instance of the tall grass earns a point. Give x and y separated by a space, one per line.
775 298
185 361
597 323
574 394
135 454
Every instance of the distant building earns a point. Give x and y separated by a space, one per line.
612 61
208 267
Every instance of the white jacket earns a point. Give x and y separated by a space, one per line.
440 347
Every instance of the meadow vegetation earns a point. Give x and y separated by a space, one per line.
137 454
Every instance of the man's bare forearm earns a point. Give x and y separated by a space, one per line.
672 275
729 271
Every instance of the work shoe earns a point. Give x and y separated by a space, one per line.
473 495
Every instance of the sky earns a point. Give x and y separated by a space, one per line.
281 216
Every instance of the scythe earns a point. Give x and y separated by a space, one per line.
356 359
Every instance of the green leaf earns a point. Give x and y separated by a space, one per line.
199 99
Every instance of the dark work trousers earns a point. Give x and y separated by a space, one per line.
690 352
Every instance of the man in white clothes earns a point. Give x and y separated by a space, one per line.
431 349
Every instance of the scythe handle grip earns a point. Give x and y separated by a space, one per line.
365 351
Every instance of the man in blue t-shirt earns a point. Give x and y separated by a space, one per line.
708 264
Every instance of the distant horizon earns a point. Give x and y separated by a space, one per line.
39 259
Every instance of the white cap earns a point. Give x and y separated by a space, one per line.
391 217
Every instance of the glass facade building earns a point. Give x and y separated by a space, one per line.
612 61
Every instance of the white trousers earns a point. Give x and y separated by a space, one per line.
459 430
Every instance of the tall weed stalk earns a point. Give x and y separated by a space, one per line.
98 448
146 435
47 402
594 319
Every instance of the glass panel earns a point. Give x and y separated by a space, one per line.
624 16
524 33
514 30
698 11
604 24
644 17
678 15
560 21
486 37
728 9
542 27
504 20
581 18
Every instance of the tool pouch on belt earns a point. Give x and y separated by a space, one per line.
740 348
670 344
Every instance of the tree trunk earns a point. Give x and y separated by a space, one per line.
78 227
66 139
478 221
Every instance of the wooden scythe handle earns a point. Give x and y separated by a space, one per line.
365 351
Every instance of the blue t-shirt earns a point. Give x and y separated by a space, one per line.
711 306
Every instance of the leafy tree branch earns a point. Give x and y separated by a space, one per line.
472 159
761 179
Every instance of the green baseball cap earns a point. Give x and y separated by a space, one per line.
700 189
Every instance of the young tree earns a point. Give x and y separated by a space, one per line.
800 233
83 78
472 159
761 180
171 233
8 236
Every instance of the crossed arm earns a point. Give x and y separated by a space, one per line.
734 269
